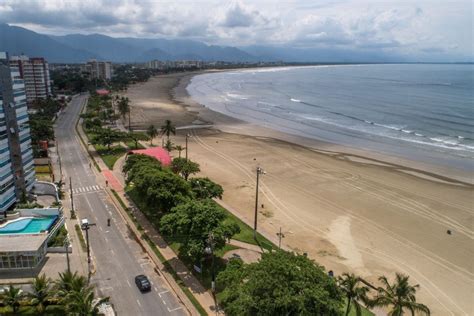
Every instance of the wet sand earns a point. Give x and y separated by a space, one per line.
348 209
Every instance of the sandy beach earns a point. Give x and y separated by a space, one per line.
348 209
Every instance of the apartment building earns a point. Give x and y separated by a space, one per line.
98 69
17 173
35 74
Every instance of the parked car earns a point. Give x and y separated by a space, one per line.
142 283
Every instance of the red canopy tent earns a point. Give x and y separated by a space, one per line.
156 152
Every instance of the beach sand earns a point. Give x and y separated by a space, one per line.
347 209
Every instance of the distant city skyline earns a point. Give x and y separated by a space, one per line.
418 29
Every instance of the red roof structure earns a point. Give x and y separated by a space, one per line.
156 152
102 91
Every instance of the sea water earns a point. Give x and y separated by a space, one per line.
417 111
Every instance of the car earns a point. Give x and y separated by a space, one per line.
143 283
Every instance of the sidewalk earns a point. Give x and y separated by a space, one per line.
116 181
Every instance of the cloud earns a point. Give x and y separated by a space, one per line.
413 26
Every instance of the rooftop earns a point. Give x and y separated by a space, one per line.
23 243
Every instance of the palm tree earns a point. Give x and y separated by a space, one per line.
123 106
41 293
179 148
83 302
168 129
12 298
152 132
69 282
169 146
349 283
400 296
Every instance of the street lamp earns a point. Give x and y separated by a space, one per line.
187 136
66 245
85 225
259 172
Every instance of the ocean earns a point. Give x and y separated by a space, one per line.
423 112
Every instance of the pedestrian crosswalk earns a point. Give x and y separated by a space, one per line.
86 189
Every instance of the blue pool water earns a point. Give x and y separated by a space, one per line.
28 225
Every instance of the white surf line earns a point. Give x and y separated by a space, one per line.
246 172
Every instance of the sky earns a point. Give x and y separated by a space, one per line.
408 27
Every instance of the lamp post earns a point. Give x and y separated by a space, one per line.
259 172
187 136
86 226
66 245
280 236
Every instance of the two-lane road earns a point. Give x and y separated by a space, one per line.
117 257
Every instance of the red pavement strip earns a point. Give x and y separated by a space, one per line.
113 182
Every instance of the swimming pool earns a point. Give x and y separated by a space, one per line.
29 225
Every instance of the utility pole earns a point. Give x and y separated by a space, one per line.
86 226
66 244
187 135
129 125
280 236
259 172
59 160
72 198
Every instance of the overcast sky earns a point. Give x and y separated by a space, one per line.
411 27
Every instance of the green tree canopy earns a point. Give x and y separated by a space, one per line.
281 283
136 162
107 137
135 137
184 167
193 222
204 188
354 291
168 129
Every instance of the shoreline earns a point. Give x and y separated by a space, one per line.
350 211
224 123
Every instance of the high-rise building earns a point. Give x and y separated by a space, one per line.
35 73
17 173
98 69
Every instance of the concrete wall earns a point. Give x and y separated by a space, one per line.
39 212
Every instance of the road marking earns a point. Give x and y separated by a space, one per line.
112 251
129 284
174 309
100 228
159 294
106 240
164 302
139 303
156 290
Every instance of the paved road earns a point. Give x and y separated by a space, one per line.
118 258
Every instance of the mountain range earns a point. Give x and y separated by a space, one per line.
78 48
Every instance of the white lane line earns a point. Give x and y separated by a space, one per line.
113 252
163 292
100 228
156 290
174 309
129 284
164 302
139 303
106 240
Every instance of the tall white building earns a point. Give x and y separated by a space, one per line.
35 73
99 69
17 173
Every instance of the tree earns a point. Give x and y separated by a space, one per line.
194 221
204 188
400 296
169 146
184 167
69 282
82 302
12 298
135 137
179 148
168 129
123 106
350 285
152 132
41 293
281 283
107 137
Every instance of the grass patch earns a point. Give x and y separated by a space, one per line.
81 237
110 156
131 145
246 233
42 169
